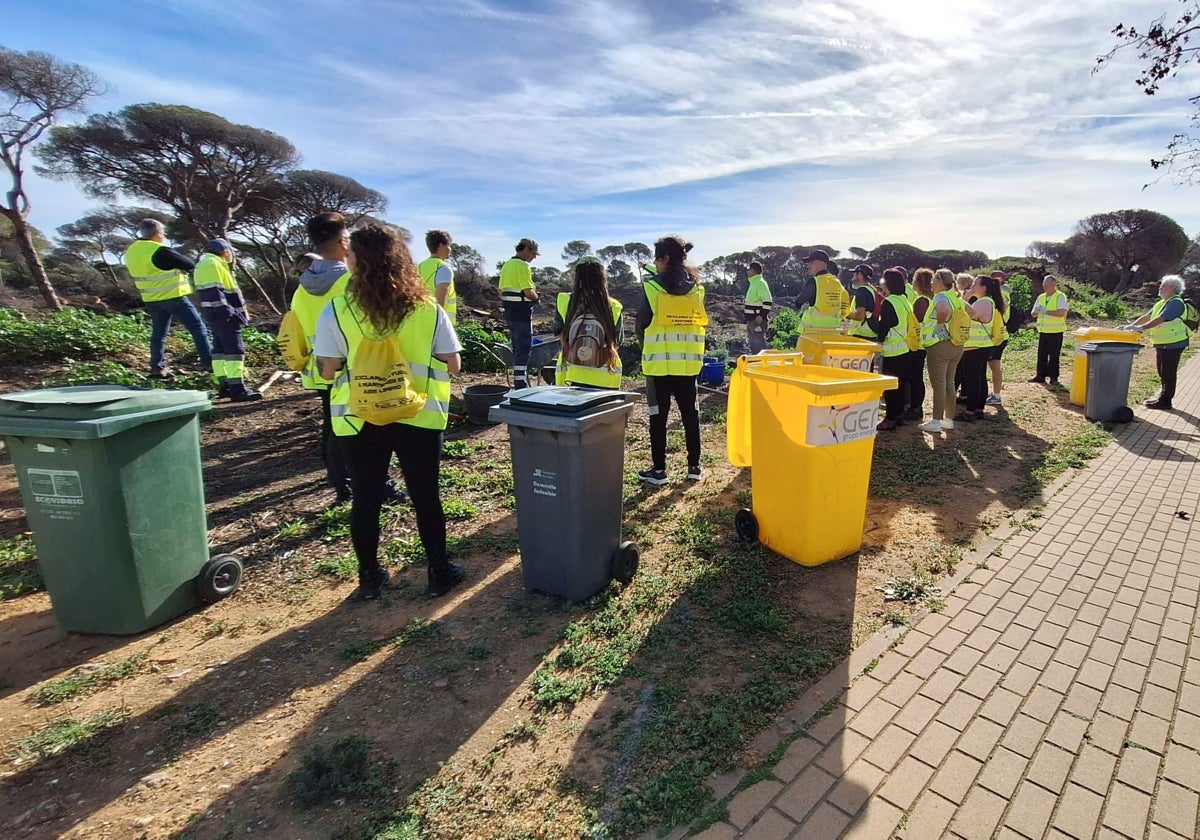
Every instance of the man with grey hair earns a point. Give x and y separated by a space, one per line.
161 277
1167 328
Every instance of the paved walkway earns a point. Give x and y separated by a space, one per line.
1058 695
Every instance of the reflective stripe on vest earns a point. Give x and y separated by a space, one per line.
512 275
308 308
428 270
895 343
1168 332
827 312
430 375
565 374
929 323
152 282
981 332
212 272
1051 323
676 353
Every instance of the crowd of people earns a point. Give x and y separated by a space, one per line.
361 293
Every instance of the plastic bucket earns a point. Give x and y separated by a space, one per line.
479 399
712 372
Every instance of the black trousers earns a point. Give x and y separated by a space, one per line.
519 318
893 400
974 376
1049 349
368 454
330 447
916 379
659 391
1167 362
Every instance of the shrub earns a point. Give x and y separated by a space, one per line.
69 334
326 774
786 329
1021 299
474 358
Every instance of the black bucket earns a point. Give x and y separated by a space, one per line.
480 398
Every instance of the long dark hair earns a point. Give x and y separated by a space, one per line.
991 288
676 251
590 297
385 286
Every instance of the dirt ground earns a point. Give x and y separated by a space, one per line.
225 699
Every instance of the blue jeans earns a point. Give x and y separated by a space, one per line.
162 313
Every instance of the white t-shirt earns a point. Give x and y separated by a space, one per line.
444 276
331 343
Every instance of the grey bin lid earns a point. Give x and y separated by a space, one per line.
1110 347
562 408
92 411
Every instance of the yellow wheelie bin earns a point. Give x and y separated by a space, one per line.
834 349
1082 335
737 415
812 439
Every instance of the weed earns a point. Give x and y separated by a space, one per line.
65 734
416 630
403 551
292 529
909 589
478 651
895 618
357 651
83 681
190 722
335 520
221 627
459 510
341 770
344 567
454 449
871 666
1072 452
936 605
18 567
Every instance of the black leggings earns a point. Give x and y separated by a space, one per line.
893 400
368 454
659 390
974 376
1167 362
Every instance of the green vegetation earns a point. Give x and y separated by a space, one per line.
457 449
359 650
84 681
418 629
1071 452
187 723
474 358
343 567
785 325
70 334
62 735
18 567
341 770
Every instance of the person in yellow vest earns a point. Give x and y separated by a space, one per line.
893 332
1050 309
1165 327
437 273
518 296
225 314
910 293
943 350
862 303
386 297
161 277
670 327
922 288
823 300
589 322
324 279
756 308
995 365
988 305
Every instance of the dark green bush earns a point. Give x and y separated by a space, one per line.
341 770
474 358
786 328
69 334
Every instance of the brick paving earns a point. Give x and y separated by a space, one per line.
1057 695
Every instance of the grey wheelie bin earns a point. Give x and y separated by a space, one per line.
1109 365
113 490
568 455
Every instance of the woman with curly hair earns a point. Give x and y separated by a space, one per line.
386 297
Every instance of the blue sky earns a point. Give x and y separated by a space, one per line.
974 124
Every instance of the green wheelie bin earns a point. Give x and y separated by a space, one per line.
114 494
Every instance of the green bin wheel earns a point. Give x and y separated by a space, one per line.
1124 414
746 525
625 562
220 578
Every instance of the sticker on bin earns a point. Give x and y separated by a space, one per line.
829 425
862 363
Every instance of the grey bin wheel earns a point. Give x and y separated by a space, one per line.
625 562
219 578
746 525
1124 414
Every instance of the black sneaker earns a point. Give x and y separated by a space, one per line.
371 591
394 496
653 476
1159 404
694 473
912 415
441 582
243 395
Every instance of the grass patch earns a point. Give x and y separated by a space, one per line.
344 567
83 681
187 723
456 449
341 770
361 649
418 629
459 510
62 735
1071 452
292 529
18 567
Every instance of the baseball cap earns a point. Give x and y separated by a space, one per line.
865 269
817 255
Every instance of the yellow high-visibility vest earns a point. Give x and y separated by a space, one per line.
428 270
308 308
152 283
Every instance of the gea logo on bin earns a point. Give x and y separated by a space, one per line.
862 363
829 425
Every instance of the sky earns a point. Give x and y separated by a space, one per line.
970 124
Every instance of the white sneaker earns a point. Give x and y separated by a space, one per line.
933 426
993 399
947 425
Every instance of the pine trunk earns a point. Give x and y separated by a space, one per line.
24 239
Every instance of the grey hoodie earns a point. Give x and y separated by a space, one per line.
321 275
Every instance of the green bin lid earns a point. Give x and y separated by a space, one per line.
92 411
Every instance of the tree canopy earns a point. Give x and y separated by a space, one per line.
201 165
